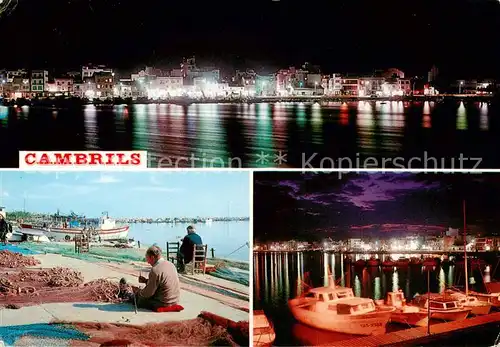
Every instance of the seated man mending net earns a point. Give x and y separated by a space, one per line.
162 291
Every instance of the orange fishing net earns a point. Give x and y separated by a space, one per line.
194 332
34 286
15 260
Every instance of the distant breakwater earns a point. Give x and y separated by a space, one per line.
186 101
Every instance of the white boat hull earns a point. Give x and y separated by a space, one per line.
450 315
479 310
60 234
373 323
64 234
418 319
493 299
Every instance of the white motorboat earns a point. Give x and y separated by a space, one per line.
441 307
263 332
404 313
335 308
491 298
27 235
471 302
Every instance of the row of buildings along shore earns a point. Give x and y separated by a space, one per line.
451 241
190 80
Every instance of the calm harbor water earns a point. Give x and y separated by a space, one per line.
232 134
223 237
276 278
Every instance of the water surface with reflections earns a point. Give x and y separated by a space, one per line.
276 278
253 135
224 237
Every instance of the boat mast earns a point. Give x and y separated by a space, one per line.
1 188
465 254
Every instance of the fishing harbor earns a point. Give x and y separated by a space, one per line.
397 287
66 279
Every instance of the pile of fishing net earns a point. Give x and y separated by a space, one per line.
195 332
12 260
35 286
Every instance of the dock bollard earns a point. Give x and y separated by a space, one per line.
213 252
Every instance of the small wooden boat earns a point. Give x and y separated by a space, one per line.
442 307
373 262
471 302
402 262
335 308
491 298
404 313
263 332
388 262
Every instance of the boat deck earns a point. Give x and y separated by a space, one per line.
418 335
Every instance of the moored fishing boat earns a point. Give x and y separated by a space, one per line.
404 313
441 307
373 262
402 262
465 300
21 235
471 302
335 308
107 230
263 332
388 262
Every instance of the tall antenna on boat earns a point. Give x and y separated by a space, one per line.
428 301
1 188
465 253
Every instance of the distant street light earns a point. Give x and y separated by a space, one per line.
460 87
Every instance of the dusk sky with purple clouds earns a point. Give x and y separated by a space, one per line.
317 205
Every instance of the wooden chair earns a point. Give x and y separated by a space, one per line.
172 251
197 266
82 244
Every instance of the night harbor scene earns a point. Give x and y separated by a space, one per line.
376 259
234 94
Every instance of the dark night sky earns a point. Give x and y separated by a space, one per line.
341 35
293 205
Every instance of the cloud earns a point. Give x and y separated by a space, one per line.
364 192
105 179
157 189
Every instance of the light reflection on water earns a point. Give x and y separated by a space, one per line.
278 277
330 129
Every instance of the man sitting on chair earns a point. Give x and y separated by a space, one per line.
186 250
162 286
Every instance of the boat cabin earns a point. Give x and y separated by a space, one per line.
437 303
355 306
396 299
328 294
464 299
107 223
